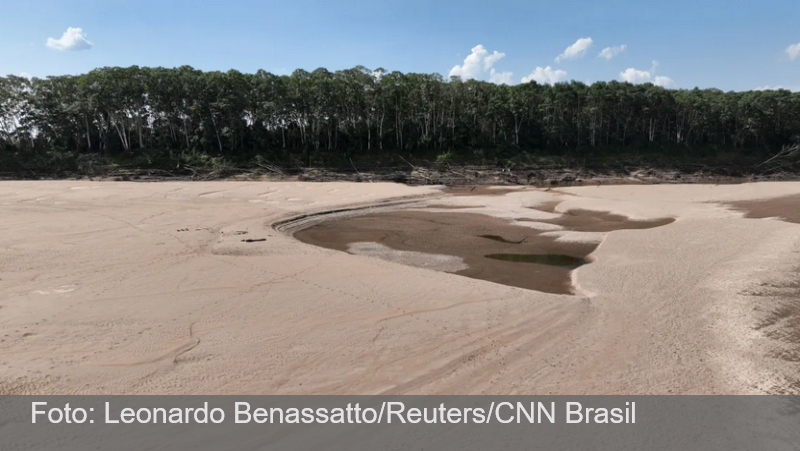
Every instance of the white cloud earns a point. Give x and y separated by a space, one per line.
501 78
545 76
632 75
635 76
73 39
664 82
793 51
776 87
478 63
489 61
26 75
576 50
610 52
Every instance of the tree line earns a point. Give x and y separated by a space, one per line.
362 112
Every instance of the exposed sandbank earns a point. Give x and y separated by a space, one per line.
148 288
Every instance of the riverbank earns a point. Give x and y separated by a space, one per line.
178 288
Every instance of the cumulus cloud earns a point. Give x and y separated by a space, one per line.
73 39
501 78
635 76
545 76
576 50
793 51
611 52
632 75
489 61
478 63
664 82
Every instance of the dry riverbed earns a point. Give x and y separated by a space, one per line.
284 288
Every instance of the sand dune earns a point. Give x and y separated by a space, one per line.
153 288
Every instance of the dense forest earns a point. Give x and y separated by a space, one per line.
184 115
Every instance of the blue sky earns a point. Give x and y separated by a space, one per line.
728 44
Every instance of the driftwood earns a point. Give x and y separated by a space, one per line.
269 167
783 164
786 153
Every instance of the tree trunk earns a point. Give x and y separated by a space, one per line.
88 133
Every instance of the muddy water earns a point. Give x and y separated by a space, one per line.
528 259
564 261
482 190
598 221
786 208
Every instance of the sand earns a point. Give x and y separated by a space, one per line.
149 288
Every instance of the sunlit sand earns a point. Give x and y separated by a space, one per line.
184 288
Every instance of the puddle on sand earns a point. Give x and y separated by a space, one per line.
787 208
563 261
484 190
503 240
471 237
598 221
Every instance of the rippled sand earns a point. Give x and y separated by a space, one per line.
187 288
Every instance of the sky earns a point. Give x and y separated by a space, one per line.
726 44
